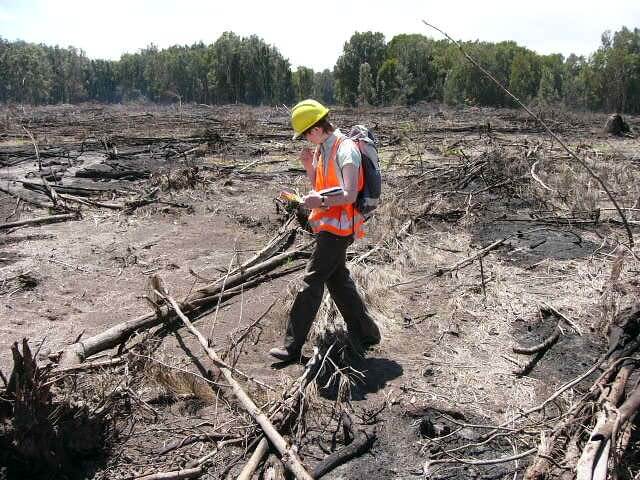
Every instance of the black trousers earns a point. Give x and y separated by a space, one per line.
327 265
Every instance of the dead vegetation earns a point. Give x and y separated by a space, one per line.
498 270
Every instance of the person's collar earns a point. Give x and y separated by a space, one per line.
328 143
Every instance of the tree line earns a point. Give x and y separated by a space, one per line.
370 71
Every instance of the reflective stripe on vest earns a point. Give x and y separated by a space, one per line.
342 220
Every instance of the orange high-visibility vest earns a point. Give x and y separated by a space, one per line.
342 220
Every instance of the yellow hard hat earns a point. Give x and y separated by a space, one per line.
305 114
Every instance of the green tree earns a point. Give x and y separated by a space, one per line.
555 64
4 72
201 59
324 87
466 85
615 81
367 47
283 81
416 61
573 87
303 83
366 90
27 73
102 81
387 82
69 67
513 66
547 92
131 75
226 75
177 79
410 68
255 65
524 79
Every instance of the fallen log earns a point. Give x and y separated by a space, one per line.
281 241
530 365
75 190
40 220
24 196
91 203
113 171
293 463
91 365
198 300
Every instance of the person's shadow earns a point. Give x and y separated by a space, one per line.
366 374
376 372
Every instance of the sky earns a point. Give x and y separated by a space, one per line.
311 33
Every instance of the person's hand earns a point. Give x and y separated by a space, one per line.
306 157
313 200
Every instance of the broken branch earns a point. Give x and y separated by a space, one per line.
252 465
289 455
544 345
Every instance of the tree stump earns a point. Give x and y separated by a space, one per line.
616 125
39 434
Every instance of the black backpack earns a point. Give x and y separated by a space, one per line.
369 198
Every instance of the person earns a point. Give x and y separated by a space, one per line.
333 167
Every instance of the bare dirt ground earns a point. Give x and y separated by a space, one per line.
189 193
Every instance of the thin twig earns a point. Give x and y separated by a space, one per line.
466 461
248 329
175 475
224 284
537 179
35 146
571 323
484 287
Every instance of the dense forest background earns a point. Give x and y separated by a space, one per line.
406 70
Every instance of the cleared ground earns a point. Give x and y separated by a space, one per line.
197 187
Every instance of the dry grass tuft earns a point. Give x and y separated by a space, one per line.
184 385
620 289
176 382
579 193
186 177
